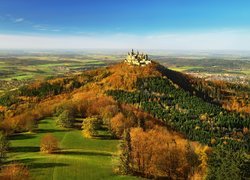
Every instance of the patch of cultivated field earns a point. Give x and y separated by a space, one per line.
23 68
79 158
247 72
184 68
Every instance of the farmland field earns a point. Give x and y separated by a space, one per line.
21 69
79 158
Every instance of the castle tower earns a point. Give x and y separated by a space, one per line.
137 59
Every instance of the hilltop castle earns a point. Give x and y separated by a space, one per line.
137 59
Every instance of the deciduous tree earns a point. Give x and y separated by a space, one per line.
49 144
15 171
65 119
90 126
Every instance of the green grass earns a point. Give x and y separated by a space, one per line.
184 68
79 158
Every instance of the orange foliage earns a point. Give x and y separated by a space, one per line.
238 105
15 171
89 100
124 76
2 108
119 123
28 118
159 153
49 144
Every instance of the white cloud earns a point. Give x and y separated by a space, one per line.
18 20
45 28
40 27
12 19
55 30
216 40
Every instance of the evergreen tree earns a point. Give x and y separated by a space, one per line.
124 166
225 164
4 146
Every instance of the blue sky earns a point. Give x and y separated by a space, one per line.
125 23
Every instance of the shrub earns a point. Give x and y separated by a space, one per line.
89 127
65 119
15 171
49 144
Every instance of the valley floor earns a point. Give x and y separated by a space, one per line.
79 158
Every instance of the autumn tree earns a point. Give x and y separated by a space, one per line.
107 113
4 146
31 125
49 144
65 119
192 159
203 153
159 153
120 122
90 126
15 171
66 106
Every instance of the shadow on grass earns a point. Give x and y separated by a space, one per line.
83 153
46 165
23 161
104 136
36 165
21 136
25 149
50 130
77 126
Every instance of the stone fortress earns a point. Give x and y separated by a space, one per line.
137 59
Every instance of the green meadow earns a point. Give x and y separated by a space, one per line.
78 157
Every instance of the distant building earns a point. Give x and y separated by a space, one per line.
137 59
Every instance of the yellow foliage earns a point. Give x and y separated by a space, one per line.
160 153
203 153
89 127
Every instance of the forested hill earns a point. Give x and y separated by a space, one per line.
165 94
172 99
124 97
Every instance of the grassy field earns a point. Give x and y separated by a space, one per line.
79 158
